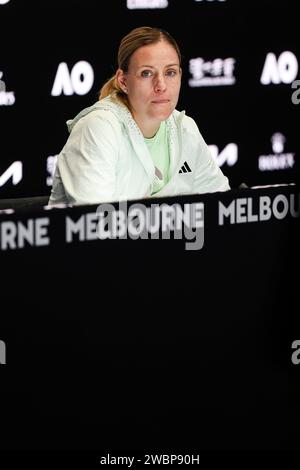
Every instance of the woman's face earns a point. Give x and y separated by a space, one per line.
152 83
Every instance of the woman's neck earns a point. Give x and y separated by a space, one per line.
148 129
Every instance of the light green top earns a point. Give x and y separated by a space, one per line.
159 150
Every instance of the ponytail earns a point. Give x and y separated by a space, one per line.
111 87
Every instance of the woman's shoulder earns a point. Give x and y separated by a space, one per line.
103 111
107 109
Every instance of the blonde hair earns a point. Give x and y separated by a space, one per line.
137 38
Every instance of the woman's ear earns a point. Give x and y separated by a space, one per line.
121 79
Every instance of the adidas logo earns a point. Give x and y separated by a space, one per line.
185 168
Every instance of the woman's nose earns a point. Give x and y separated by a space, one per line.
160 84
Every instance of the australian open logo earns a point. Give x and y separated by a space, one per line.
157 221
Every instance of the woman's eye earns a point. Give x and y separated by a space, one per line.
146 73
171 73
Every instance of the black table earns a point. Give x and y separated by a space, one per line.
118 344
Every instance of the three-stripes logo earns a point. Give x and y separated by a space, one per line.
185 168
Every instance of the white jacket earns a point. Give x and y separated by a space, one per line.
105 159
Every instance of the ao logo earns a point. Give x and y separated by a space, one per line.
14 171
228 155
281 70
79 81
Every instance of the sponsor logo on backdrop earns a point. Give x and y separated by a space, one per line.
7 98
216 72
77 81
2 352
228 155
248 209
281 69
146 4
51 165
279 159
296 94
14 173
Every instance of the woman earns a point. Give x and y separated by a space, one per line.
132 143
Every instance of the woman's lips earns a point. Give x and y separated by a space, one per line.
160 101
